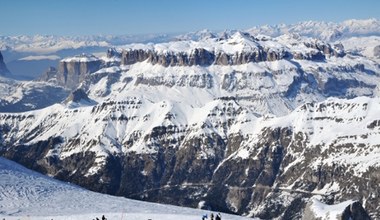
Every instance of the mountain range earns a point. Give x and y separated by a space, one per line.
28 56
262 123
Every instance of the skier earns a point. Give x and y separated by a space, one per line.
204 217
218 217
212 216
104 218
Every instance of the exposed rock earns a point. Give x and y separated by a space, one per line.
376 51
339 50
49 75
205 167
77 96
72 71
3 68
321 50
112 52
198 56
129 57
355 211
203 57
113 58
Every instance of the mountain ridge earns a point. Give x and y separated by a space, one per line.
258 137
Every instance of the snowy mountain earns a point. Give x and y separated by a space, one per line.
48 44
242 123
20 96
269 75
3 68
327 31
357 36
162 151
31 55
27 194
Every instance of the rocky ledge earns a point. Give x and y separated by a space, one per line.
241 48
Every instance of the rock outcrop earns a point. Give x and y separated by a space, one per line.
3 68
203 57
250 49
72 71
78 96
376 51
50 75
316 210
355 211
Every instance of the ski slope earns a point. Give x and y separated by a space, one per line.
25 194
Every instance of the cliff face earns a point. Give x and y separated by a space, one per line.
72 71
349 210
240 48
3 68
203 57
50 75
226 157
376 51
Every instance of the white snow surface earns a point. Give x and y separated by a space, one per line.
82 58
13 91
362 45
328 212
25 194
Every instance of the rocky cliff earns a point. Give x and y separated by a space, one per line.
254 50
3 68
349 210
50 75
72 71
376 51
220 154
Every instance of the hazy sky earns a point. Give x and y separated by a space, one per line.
87 17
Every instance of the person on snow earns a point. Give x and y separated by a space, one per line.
104 218
204 217
218 217
212 216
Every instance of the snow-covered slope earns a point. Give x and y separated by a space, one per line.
121 142
28 194
366 46
19 96
345 210
270 75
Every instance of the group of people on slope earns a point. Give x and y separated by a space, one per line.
217 217
103 218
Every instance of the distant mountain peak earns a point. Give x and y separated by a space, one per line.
3 68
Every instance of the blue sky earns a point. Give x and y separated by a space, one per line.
88 17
